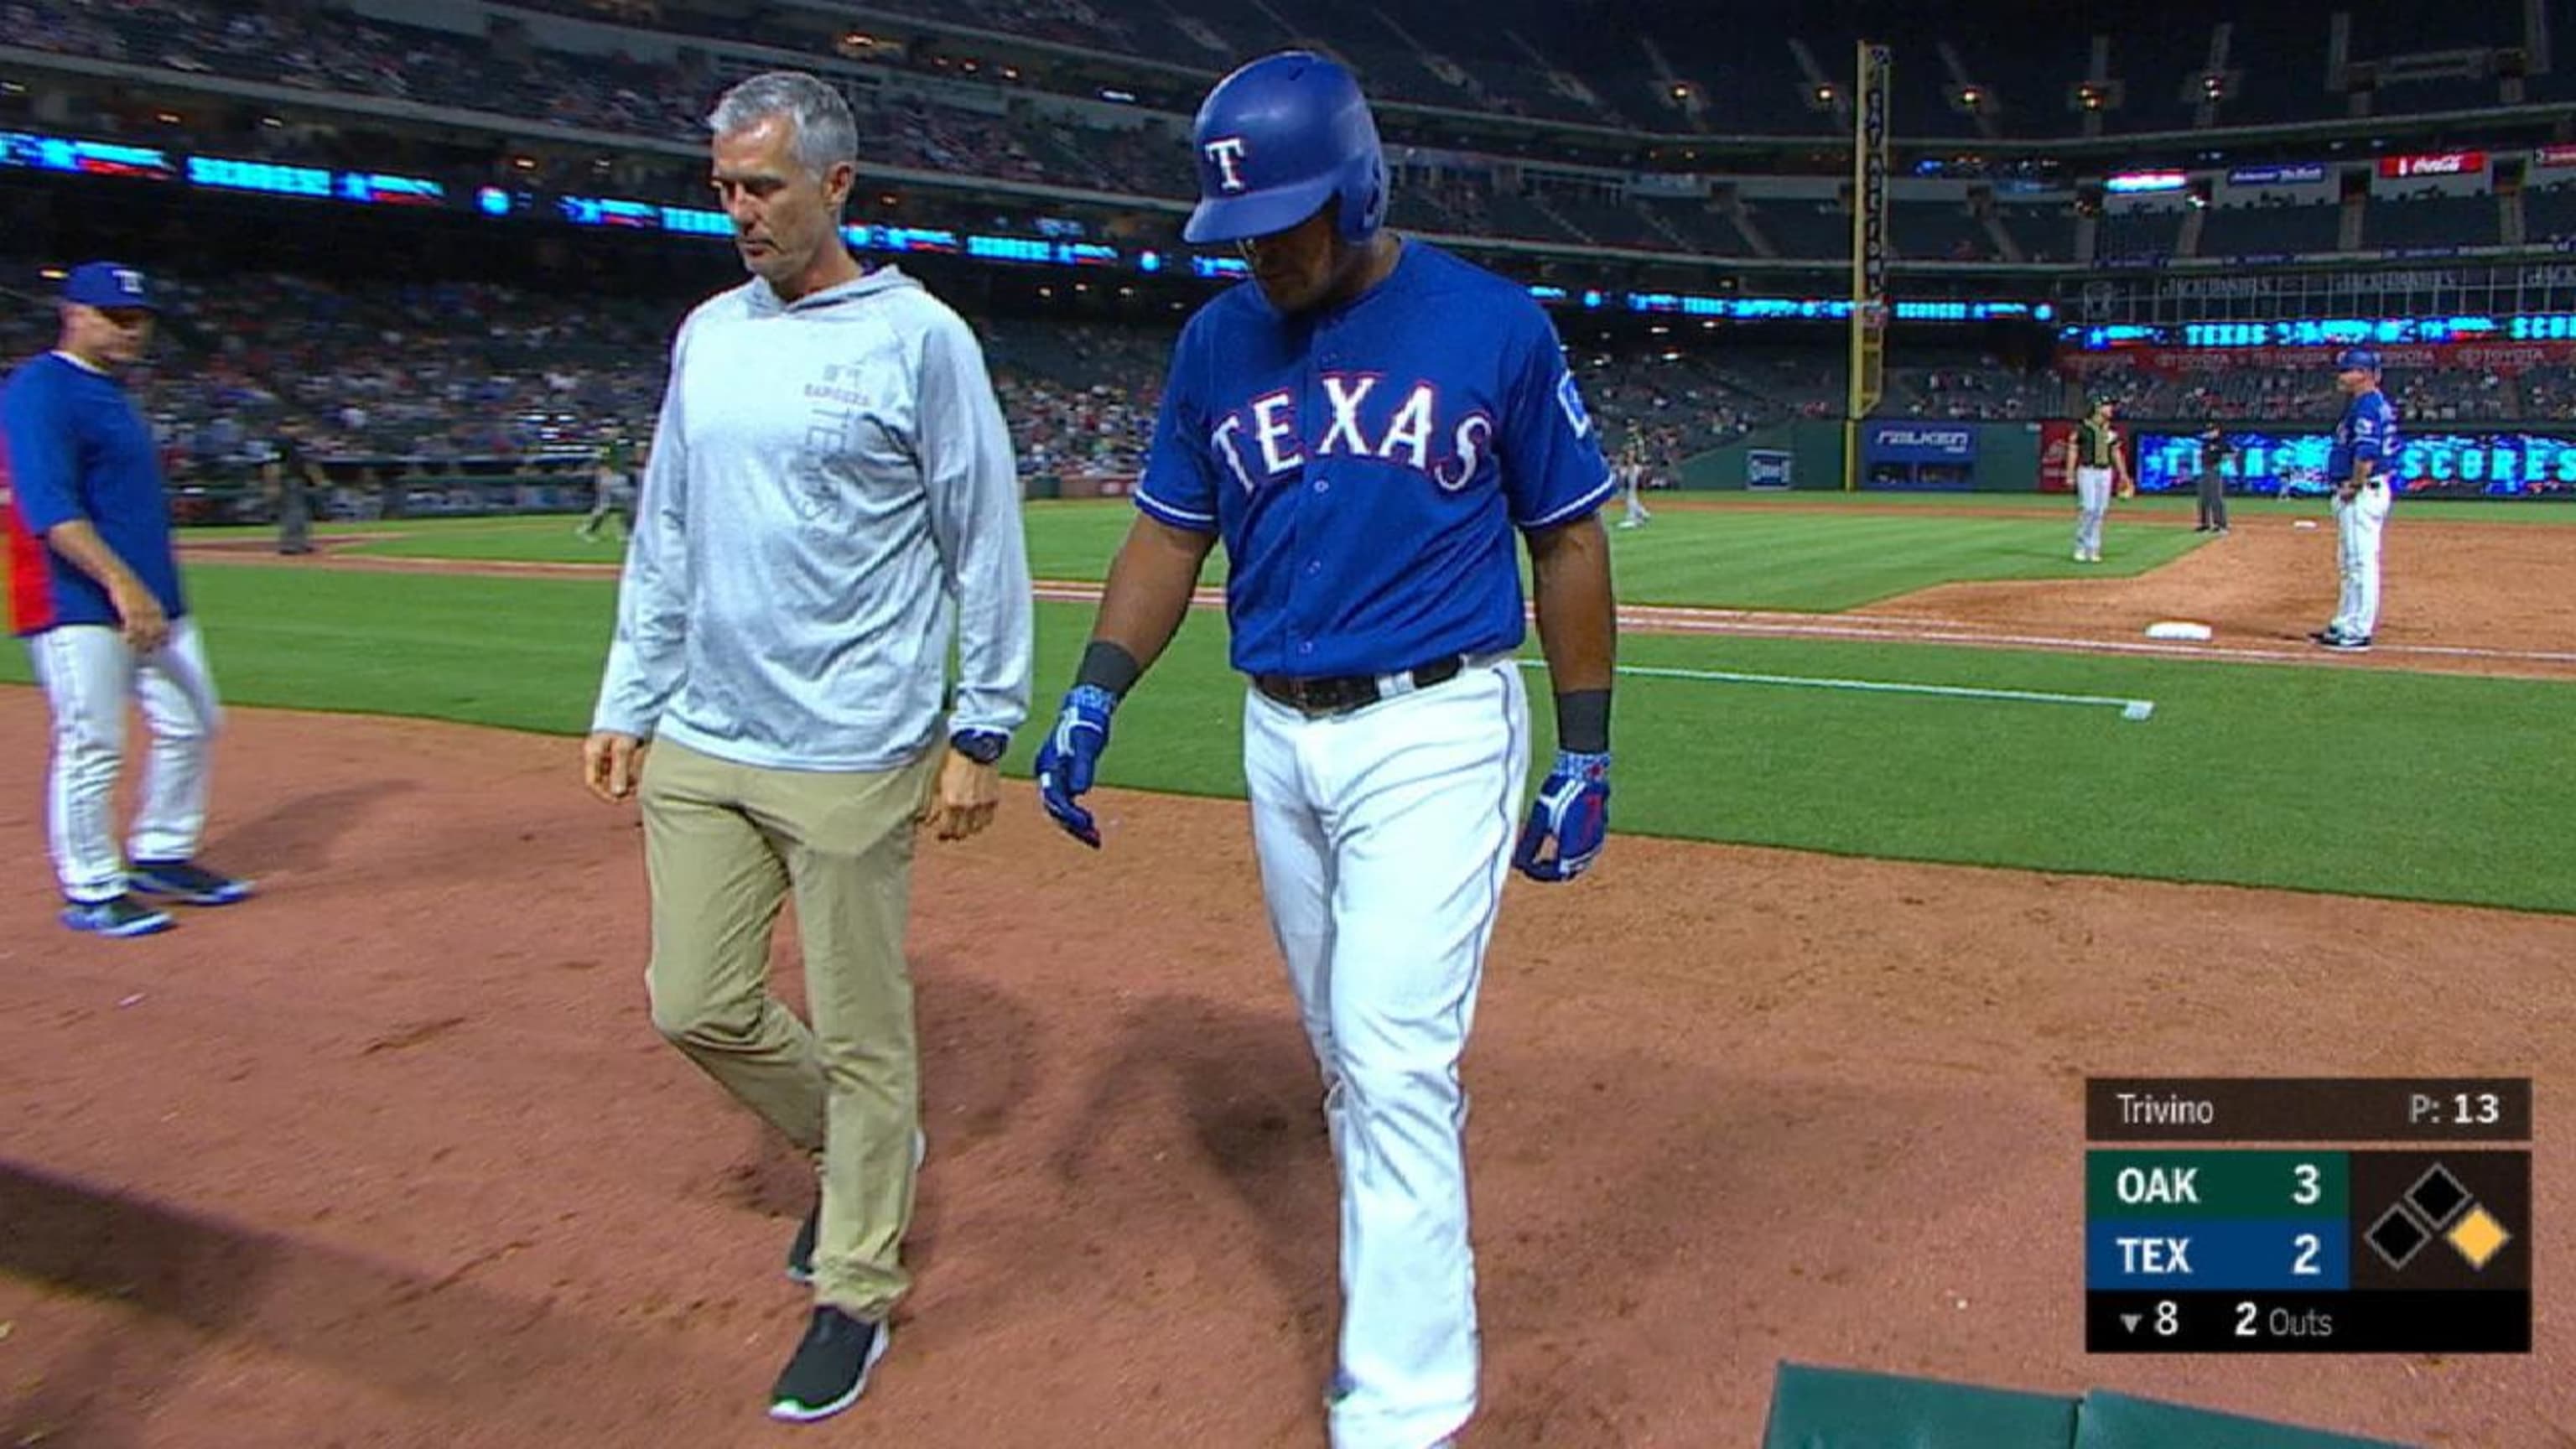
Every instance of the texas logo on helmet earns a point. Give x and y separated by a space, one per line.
1278 140
1227 153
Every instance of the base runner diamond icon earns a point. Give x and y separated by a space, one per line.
2478 1237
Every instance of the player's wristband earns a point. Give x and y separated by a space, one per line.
1583 721
1107 665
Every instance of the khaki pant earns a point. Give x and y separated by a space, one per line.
723 846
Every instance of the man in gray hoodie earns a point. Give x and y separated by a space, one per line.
830 498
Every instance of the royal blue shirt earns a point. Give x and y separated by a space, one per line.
75 448
2367 434
1366 467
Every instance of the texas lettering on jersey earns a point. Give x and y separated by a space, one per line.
1262 442
1368 467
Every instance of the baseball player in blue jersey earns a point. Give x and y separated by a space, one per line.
94 590
2365 444
1366 425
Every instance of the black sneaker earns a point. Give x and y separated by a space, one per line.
2349 643
830 1368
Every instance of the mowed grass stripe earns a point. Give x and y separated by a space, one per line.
2368 782
1810 561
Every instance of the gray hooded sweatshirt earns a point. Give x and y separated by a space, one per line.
831 494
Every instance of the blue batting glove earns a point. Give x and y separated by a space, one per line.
1071 752
1572 810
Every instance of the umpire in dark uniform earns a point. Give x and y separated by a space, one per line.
291 477
2214 453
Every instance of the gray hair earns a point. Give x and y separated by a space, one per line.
826 133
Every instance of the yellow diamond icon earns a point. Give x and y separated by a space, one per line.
2478 1237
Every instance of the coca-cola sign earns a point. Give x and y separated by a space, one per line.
2441 163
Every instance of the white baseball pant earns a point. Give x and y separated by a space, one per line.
2092 500
89 674
2357 529
1385 836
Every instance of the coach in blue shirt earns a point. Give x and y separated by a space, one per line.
94 589
1371 426
2359 463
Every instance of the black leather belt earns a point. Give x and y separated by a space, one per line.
1349 692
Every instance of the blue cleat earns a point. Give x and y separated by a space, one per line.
117 916
187 883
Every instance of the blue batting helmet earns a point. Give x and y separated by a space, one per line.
2357 359
1279 138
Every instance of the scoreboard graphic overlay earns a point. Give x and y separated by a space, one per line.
2406 1229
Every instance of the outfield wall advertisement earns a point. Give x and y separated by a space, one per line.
1919 456
2432 464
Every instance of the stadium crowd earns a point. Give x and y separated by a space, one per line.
329 50
432 376
317 47
2422 395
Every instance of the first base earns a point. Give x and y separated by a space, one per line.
2177 629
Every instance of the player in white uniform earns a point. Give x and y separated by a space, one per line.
1632 481
94 590
2093 451
2359 464
1370 425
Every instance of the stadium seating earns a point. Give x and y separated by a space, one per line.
487 371
2270 229
2138 235
509 74
2432 220
1609 223
1804 228
2044 233
2549 213
1704 231
1970 387
1939 231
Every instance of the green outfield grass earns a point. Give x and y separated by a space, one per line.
2165 506
2372 782
1731 558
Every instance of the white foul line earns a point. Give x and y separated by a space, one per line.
2130 709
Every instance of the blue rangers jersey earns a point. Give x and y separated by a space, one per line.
1366 466
2367 433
